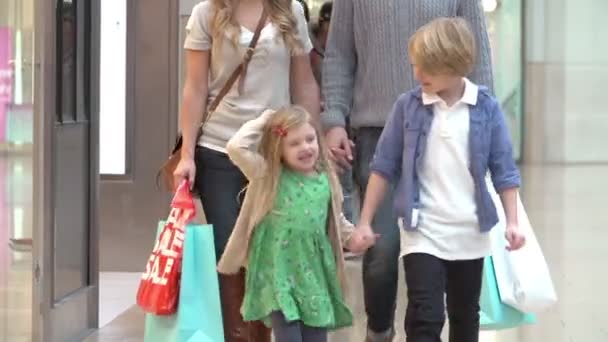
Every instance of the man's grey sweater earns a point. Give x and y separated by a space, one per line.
366 63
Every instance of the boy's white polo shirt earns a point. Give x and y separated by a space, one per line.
447 223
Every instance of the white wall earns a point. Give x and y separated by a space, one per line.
586 80
566 73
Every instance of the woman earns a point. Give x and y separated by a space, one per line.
278 74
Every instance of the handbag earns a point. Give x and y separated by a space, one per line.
169 166
494 314
522 276
199 313
159 286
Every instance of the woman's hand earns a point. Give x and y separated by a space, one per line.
186 169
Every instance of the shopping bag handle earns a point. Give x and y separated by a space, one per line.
183 198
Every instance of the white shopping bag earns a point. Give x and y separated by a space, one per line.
523 277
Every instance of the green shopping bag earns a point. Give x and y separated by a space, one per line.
199 313
494 314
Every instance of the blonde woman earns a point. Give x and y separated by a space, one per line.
291 230
278 74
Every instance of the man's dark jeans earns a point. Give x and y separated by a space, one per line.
380 263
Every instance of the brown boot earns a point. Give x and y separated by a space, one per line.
259 332
232 291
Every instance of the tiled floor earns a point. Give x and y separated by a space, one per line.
567 208
15 265
566 205
129 326
116 294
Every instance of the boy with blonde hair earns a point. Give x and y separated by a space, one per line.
366 68
437 146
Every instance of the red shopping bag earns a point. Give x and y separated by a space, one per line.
159 287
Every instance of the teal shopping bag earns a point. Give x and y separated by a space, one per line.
161 328
494 314
199 313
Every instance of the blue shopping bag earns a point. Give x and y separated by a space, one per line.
494 314
199 313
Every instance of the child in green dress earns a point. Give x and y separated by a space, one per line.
291 230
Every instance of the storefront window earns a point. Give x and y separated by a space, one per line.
16 73
504 19
16 131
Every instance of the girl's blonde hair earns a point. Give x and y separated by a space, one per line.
279 12
285 119
444 46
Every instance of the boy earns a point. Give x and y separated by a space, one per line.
437 146
364 70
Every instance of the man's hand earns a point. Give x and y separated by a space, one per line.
340 148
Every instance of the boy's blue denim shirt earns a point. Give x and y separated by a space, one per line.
403 144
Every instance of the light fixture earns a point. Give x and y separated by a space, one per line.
489 5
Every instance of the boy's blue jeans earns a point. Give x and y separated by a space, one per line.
380 263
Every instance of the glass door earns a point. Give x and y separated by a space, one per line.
66 170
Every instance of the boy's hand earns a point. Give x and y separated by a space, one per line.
515 238
362 239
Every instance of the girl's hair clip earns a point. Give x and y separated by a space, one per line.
279 130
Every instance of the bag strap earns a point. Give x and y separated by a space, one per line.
238 71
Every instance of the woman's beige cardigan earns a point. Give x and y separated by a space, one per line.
242 150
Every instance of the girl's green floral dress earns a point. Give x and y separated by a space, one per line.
292 267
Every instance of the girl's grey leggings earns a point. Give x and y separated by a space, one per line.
295 331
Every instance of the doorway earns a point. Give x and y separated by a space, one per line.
138 116
65 170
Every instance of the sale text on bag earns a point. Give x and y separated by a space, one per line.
168 249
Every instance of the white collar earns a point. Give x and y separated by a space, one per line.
471 91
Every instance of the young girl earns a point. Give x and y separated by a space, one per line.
437 146
290 231
278 74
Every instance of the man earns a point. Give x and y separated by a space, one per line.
320 33
366 68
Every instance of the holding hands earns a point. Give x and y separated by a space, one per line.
362 239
